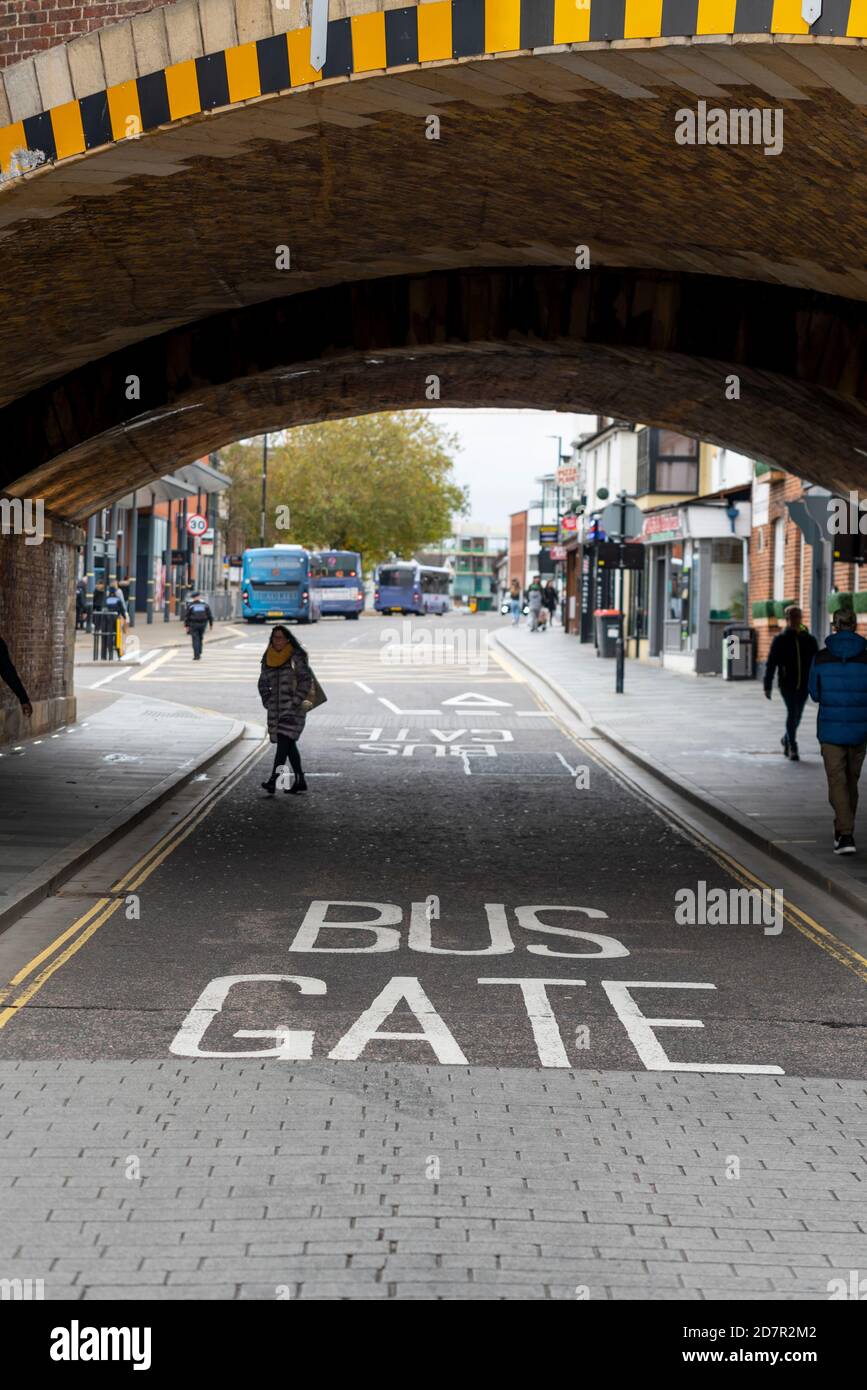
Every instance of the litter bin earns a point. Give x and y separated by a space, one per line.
738 653
609 623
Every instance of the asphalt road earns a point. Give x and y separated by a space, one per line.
543 889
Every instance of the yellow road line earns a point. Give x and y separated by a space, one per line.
35 985
795 916
105 907
49 950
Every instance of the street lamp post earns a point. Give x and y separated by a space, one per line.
264 489
560 456
623 500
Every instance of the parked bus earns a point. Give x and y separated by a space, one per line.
276 583
339 584
405 586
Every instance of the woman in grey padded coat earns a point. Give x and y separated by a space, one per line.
285 682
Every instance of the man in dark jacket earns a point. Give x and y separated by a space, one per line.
790 658
838 681
115 603
198 617
12 679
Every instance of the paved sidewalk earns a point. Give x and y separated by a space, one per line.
716 741
146 637
322 1180
65 794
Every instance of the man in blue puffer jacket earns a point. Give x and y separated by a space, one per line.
838 682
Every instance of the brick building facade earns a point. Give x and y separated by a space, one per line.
781 562
37 621
30 26
518 547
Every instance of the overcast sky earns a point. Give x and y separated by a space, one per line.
503 452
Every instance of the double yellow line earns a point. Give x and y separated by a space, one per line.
795 916
30 978
808 926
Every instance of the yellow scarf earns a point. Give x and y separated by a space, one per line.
273 658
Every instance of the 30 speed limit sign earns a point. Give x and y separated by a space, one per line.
197 525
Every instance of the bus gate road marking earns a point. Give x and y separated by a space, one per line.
472 699
394 709
289 1044
385 927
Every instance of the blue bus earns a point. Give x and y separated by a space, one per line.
339 584
276 583
405 586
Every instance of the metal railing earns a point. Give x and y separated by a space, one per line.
225 604
107 636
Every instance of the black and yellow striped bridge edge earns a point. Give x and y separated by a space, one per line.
428 33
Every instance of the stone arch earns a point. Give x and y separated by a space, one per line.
648 345
125 253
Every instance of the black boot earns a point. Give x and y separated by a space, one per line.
785 742
794 755
271 785
299 785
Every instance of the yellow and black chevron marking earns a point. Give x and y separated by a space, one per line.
426 33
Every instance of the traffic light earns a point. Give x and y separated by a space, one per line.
850 547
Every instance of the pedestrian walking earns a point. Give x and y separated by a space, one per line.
534 603
13 680
515 602
80 606
838 683
288 689
790 658
198 616
550 601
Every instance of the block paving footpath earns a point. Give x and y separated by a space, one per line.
329 1180
716 742
67 795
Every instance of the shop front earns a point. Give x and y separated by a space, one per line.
602 574
697 577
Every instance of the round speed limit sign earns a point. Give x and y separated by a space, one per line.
197 525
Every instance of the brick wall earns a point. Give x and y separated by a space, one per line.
798 566
37 622
28 26
762 560
518 547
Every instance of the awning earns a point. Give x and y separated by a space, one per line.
165 489
697 521
201 477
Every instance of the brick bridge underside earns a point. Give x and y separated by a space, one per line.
155 258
